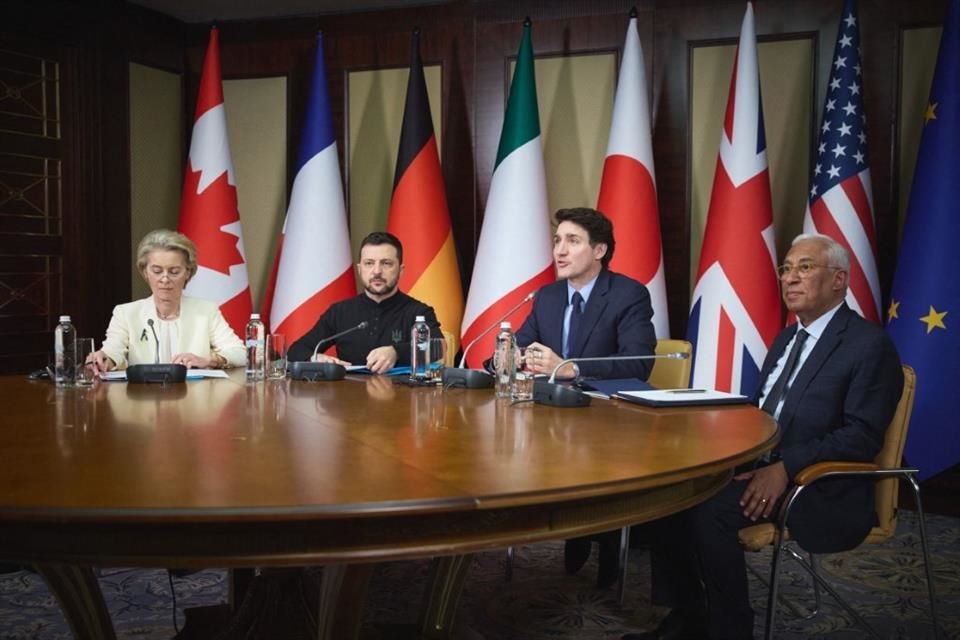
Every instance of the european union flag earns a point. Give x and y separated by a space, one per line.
924 314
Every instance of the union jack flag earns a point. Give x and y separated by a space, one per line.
841 199
735 310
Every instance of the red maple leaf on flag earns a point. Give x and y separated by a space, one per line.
203 214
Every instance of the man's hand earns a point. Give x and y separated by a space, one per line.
322 357
764 488
382 359
542 359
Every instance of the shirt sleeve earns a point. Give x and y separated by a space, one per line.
225 343
117 342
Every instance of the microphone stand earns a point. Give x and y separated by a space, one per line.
477 378
314 371
558 395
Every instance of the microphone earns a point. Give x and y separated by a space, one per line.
477 378
313 371
362 325
557 395
156 372
156 341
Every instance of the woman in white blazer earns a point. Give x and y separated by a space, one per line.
181 329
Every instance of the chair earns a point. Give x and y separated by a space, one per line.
666 374
885 470
450 355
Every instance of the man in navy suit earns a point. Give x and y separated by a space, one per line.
833 400
588 312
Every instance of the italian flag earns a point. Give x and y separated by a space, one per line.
514 255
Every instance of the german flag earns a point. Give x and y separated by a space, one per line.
418 210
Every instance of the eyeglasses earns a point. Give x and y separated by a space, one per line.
803 270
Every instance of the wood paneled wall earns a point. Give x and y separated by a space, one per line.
472 40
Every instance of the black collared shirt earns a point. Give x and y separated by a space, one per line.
390 322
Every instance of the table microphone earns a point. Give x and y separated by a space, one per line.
313 371
558 395
478 378
156 372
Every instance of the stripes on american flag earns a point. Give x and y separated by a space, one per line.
840 200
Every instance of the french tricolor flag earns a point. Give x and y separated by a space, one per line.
313 268
735 309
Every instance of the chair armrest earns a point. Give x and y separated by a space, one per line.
819 469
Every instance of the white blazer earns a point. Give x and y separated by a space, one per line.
202 331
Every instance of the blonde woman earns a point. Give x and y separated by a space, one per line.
185 330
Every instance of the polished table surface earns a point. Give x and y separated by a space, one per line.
225 473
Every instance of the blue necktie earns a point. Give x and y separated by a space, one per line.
576 315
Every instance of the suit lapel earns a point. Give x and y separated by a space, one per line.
591 312
776 352
826 344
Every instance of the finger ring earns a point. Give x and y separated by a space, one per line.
763 500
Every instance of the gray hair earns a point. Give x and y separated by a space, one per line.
167 240
837 255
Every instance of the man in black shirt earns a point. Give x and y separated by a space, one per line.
389 313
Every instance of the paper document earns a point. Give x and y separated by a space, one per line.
681 397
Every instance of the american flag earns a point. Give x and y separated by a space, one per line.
841 199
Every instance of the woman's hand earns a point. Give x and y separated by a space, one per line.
100 362
193 361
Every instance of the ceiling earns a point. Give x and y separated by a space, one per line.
226 10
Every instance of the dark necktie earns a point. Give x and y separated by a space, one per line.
782 386
576 315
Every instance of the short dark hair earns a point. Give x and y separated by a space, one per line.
598 227
382 237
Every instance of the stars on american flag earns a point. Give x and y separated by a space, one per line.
842 148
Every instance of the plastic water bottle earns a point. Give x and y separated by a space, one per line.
256 336
420 350
504 360
65 354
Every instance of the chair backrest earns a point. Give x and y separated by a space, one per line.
449 358
887 490
671 374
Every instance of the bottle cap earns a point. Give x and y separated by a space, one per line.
254 316
506 325
64 318
421 319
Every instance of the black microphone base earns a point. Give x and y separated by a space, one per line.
156 373
558 395
314 371
467 378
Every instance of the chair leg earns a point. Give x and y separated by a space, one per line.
816 585
772 594
624 556
926 556
836 596
797 613
509 565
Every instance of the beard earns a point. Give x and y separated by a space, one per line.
386 287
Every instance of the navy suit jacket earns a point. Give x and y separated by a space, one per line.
838 408
616 321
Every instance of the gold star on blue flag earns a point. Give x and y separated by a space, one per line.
926 288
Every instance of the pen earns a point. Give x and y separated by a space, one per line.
687 391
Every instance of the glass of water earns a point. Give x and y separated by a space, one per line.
276 356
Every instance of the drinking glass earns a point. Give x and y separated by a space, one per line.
84 373
522 389
276 356
438 357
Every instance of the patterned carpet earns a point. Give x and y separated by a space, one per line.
541 602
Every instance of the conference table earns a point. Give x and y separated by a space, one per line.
225 473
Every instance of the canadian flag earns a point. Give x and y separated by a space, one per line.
208 210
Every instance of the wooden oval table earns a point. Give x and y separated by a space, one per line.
221 473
